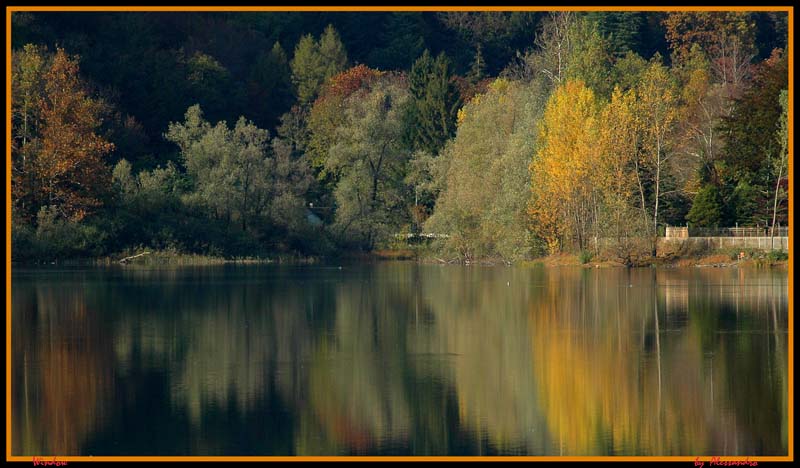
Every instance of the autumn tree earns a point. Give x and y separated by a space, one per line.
756 115
563 196
326 114
749 149
615 177
703 104
657 108
726 38
70 172
711 54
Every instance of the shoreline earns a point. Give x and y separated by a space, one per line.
156 258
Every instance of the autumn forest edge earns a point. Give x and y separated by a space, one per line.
503 135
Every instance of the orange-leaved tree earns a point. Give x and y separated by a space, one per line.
72 175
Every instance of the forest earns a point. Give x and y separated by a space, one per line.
507 135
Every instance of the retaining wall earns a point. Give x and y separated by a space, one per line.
761 243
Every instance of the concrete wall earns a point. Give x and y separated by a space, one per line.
673 232
761 243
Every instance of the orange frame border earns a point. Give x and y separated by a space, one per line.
11 9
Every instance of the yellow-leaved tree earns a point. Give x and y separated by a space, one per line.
564 201
658 113
621 222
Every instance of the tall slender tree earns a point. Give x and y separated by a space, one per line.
658 111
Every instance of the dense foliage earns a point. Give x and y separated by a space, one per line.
504 134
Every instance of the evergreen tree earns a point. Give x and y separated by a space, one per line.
431 118
477 70
269 87
706 208
401 40
623 29
314 62
334 56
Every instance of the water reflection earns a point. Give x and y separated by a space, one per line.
399 358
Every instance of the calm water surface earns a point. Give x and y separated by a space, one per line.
399 358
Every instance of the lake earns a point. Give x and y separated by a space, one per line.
398 358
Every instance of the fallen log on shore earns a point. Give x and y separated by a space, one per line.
126 259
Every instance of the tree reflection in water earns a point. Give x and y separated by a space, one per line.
400 358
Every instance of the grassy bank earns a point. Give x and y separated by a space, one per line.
742 258
158 258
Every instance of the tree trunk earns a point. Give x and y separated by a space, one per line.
775 205
655 210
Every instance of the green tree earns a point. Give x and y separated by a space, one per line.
27 89
477 70
482 174
425 178
780 162
628 70
401 39
334 55
370 159
434 103
623 29
314 62
706 208
269 86
229 167
748 203
590 58
567 46
211 85
497 34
